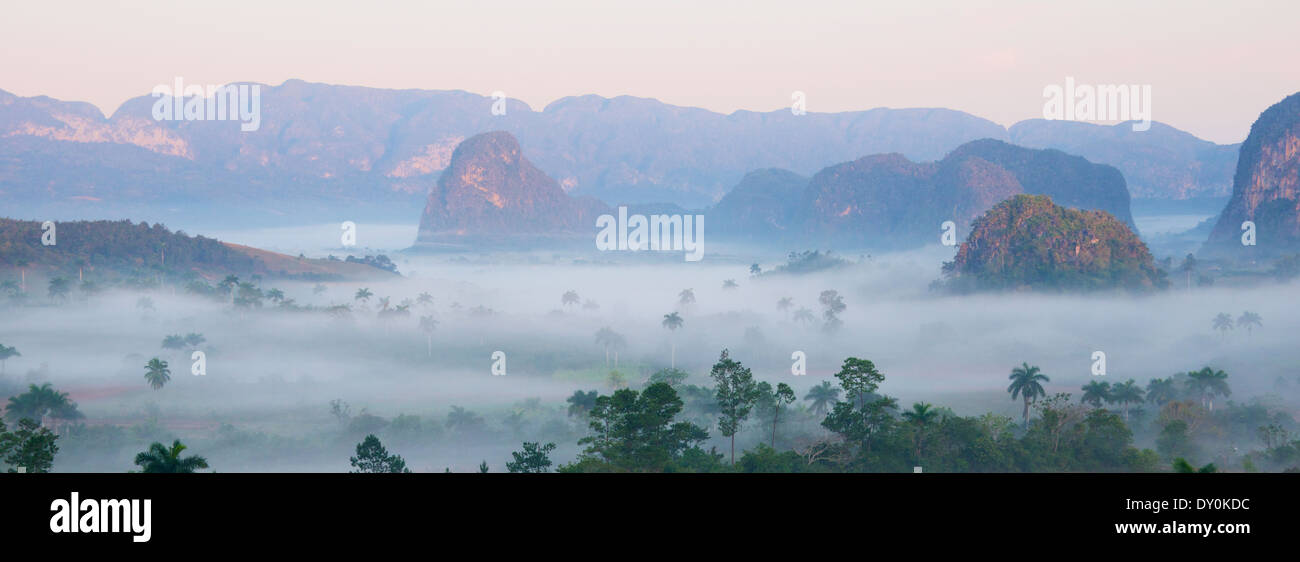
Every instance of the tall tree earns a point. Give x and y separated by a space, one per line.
822 396
1026 382
1126 393
784 395
672 322
372 457
1096 393
1223 323
1209 383
535 458
920 417
736 393
1249 320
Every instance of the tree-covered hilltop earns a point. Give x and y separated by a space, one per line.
1028 242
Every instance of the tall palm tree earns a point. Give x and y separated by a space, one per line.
7 353
1126 393
157 373
1161 391
822 396
1096 393
160 459
1210 383
920 416
1249 320
1223 323
427 324
686 297
673 321
1026 382
606 338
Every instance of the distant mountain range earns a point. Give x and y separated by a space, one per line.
326 153
490 192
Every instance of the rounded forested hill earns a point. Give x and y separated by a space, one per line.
1028 242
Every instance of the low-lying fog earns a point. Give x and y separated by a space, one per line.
272 374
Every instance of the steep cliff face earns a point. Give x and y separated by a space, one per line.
1030 243
489 190
1266 188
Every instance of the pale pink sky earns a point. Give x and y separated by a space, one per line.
1213 66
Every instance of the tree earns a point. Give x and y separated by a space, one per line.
1161 391
1223 323
160 459
427 325
634 431
832 305
1188 267
29 446
804 316
581 402
1181 466
729 284
59 289
1249 320
363 295
736 393
41 401
7 353
570 298
174 341
755 269
606 337
1026 382
1126 393
534 458
822 396
784 305
157 373
1209 383
859 378
686 297
673 321
784 395
670 376
1096 393
372 457
424 299
921 416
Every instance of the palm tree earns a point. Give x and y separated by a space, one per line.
673 322
363 294
160 459
7 353
1249 320
424 299
1161 391
784 305
921 416
1025 382
59 289
686 297
822 396
1223 323
1096 393
605 338
1127 393
570 298
729 285
427 324
1209 383
157 373
275 295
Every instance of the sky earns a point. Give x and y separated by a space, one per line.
1212 66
